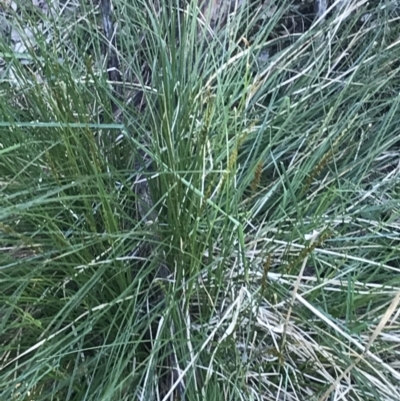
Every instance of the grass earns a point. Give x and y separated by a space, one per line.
275 189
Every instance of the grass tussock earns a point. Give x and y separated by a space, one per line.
272 144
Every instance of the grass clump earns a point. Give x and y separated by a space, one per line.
271 153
